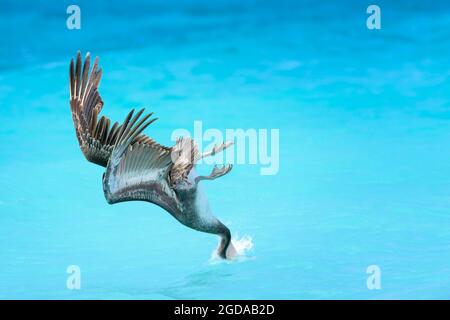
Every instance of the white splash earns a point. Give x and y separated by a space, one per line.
242 247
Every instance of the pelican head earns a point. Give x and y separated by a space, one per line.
224 251
196 213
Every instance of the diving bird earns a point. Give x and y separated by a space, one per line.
139 168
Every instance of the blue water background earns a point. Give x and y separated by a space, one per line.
364 119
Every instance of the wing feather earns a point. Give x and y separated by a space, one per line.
95 136
138 170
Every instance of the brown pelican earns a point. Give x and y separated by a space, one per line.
137 167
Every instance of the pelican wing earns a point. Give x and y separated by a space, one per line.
95 136
138 170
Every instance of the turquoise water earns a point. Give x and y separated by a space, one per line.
364 175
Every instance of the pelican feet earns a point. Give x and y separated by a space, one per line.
215 173
216 149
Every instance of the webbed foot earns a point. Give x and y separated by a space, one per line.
215 173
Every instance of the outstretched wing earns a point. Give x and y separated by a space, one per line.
95 136
138 170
